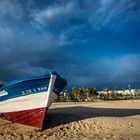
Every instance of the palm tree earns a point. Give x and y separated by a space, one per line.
87 93
76 93
106 93
123 89
95 93
82 91
115 89
115 93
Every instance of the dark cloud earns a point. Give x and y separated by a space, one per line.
90 44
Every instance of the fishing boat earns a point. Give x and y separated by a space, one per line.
27 100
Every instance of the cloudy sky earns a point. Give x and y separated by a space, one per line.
89 42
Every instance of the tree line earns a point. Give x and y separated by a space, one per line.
91 94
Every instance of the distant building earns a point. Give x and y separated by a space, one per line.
126 92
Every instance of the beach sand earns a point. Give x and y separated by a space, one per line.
114 120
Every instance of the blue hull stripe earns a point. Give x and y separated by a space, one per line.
32 85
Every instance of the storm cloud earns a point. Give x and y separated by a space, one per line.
89 43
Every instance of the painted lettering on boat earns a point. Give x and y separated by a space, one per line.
3 93
34 90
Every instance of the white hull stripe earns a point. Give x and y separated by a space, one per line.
32 101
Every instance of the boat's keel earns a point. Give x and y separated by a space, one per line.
33 117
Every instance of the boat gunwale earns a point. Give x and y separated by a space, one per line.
31 79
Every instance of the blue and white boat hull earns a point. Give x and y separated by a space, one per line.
26 101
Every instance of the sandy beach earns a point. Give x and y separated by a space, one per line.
115 120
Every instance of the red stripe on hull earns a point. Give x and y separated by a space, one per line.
33 117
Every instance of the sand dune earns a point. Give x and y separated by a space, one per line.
84 120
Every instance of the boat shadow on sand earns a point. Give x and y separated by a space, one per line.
60 116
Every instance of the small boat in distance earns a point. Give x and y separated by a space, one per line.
27 100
